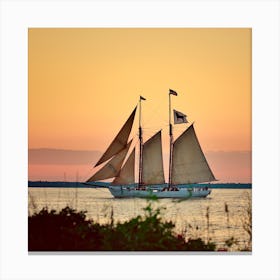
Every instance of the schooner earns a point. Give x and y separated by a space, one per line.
187 163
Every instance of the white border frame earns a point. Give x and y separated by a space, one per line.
262 16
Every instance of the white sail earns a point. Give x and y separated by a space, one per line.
112 167
120 140
152 166
127 173
189 164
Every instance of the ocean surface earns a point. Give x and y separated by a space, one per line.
219 217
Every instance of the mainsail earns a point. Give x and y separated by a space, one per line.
189 164
112 167
126 174
152 166
120 140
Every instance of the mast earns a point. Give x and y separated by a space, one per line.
171 138
171 143
140 144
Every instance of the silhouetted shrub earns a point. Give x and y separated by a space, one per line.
199 245
69 230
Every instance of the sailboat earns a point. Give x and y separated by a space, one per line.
187 163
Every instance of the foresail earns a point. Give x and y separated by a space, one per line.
152 167
127 173
120 140
189 164
112 167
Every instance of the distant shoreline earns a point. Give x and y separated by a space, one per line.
61 184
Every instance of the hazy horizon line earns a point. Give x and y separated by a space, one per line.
229 166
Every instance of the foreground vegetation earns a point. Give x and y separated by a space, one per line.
69 230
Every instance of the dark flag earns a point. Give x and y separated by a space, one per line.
171 91
179 117
142 98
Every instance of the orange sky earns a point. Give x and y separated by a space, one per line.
84 83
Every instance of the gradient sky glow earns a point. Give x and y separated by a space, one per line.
84 83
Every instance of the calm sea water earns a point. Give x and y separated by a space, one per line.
227 210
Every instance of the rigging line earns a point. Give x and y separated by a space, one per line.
155 128
181 128
149 130
156 114
159 120
152 128
158 111
158 125
149 135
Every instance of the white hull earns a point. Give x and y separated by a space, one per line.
182 193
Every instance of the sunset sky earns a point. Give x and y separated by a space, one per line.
84 83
